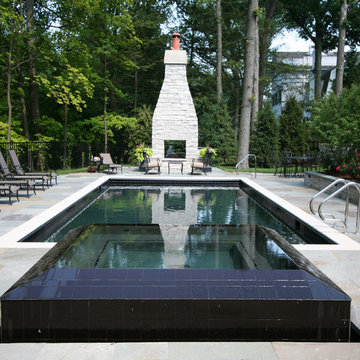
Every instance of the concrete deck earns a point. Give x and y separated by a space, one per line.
342 266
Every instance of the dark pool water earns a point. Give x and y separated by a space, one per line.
194 247
173 206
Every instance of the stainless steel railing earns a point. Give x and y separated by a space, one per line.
346 186
242 160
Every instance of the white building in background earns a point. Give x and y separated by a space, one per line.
297 77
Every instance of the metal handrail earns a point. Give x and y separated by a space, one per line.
242 160
345 187
324 190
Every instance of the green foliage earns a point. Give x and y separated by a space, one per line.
53 130
264 141
68 87
335 122
351 166
14 135
293 134
140 133
141 150
216 129
352 68
92 130
208 150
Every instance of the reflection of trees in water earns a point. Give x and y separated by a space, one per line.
220 206
208 206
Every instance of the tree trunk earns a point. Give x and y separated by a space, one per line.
34 96
8 90
21 85
248 83
105 108
136 89
219 89
318 53
255 102
341 47
65 134
23 103
264 44
237 103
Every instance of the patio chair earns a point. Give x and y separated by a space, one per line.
9 190
287 163
107 160
7 175
199 165
19 170
278 164
151 164
26 184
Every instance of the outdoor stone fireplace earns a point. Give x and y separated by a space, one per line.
175 124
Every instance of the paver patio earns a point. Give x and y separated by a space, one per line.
341 266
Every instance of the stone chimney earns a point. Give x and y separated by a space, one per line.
174 116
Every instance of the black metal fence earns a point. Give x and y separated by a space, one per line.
40 156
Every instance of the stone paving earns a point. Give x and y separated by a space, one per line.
340 266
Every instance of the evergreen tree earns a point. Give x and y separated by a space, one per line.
265 139
216 131
292 127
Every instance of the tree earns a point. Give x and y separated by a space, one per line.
66 89
314 20
147 55
352 69
341 48
248 81
140 133
216 131
31 42
265 138
219 53
11 25
266 31
336 119
335 123
292 127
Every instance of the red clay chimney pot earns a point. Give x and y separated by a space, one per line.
176 41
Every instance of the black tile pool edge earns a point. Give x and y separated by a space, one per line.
52 304
168 305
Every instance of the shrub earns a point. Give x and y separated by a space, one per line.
335 122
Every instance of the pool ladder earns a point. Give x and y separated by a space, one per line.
242 160
331 218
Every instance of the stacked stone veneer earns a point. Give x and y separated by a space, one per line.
174 116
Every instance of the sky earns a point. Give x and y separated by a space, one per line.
290 41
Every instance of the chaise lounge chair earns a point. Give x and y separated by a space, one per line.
149 165
7 175
9 190
19 170
107 160
200 165
25 184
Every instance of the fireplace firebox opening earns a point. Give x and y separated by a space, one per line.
175 149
